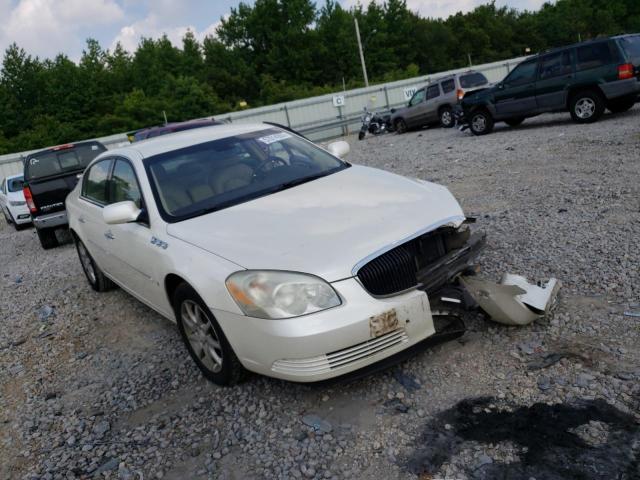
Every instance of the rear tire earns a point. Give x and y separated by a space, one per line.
481 122
514 122
620 105
361 135
202 334
400 126
586 106
98 281
447 119
47 237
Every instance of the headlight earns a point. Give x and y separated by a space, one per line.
277 295
17 204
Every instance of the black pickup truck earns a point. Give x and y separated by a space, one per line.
49 176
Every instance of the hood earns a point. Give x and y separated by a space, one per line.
324 227
399 111
477 91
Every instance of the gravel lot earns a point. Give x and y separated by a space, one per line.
98 385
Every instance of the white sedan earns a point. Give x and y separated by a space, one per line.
12 202
272 254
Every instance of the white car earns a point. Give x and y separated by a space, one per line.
12 202
272 254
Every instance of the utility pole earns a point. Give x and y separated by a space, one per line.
364 67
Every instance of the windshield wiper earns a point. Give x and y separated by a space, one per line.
300 181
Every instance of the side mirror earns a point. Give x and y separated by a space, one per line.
339 149
121 212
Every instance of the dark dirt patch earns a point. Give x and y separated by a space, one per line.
549 450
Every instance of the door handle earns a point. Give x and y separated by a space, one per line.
81 220
108 235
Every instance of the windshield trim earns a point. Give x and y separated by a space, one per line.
168 218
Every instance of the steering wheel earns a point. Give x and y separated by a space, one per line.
271 163
300 161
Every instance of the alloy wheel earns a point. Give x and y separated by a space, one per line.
446 117
201 336
479 123
585 108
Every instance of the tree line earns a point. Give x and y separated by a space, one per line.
268 52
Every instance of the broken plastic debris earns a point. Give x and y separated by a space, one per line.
317 423
632 314
513 301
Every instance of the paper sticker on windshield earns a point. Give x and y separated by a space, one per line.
94 147
276 137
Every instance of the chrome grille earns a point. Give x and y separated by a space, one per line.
395 270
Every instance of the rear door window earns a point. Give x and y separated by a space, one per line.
594 55
94 186
433 91
555 65
472 80
448 86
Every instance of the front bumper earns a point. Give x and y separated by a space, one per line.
333 342
51 220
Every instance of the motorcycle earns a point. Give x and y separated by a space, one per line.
374 123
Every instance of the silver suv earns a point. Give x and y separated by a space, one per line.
434 103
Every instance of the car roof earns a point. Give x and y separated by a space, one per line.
573 45
202 122
186 138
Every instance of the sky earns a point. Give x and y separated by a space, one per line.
48 27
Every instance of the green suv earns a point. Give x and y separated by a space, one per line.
583 79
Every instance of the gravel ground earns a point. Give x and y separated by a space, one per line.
98 385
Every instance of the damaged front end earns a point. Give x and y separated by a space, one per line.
441 263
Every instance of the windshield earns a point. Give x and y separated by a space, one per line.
15 184
55 162
211 176
471 80
631 46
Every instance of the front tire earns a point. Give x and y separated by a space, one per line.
446 118
98 281
481 122
400 126
620 105
204 339
361 135
47 237
586 106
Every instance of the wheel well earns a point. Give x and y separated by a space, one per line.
574 90
442 107
399 119
171 283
